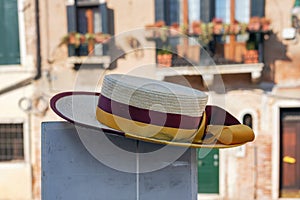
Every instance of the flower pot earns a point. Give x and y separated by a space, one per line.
254 24
251 56
196 28
72 39
174 29
218 28
164 60
265 24
265 27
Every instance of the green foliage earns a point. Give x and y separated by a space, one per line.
164 50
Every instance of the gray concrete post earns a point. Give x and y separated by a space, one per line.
69 171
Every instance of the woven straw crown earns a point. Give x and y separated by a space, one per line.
147 94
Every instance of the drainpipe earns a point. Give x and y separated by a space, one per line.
38 42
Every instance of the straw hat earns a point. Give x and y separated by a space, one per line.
152 111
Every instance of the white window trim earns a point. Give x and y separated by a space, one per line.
22 38
276 143
72 2
26 143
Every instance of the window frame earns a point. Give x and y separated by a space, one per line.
72 21
254 115
26 143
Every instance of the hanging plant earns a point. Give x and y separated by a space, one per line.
73 38
90 38
77 39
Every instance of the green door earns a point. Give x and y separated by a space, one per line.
9 32
208 170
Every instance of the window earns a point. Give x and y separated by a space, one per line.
9 34
89 16
205 10
242 10
217 44
247 120
167 10
223 10
11 142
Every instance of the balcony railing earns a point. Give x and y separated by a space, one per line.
213 37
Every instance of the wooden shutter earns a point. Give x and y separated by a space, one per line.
9 33
167 10
173 11
257 8
104 17
71 15
207 10
159 10
71 19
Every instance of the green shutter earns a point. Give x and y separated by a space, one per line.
297 3
9 33
208 171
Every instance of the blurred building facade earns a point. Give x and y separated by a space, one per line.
262 93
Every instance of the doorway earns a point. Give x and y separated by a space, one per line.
208 171
290 152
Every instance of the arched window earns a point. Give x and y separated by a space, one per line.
247 120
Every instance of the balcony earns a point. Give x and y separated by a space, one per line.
226 44
208 72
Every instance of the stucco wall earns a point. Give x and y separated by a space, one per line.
281 56
16 176
131 16
15 181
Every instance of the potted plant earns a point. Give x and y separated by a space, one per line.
72 38
217 26
234 28
254 24
164 56
265 24
174 29
90 38
207 33
196 28
243 28
251 54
